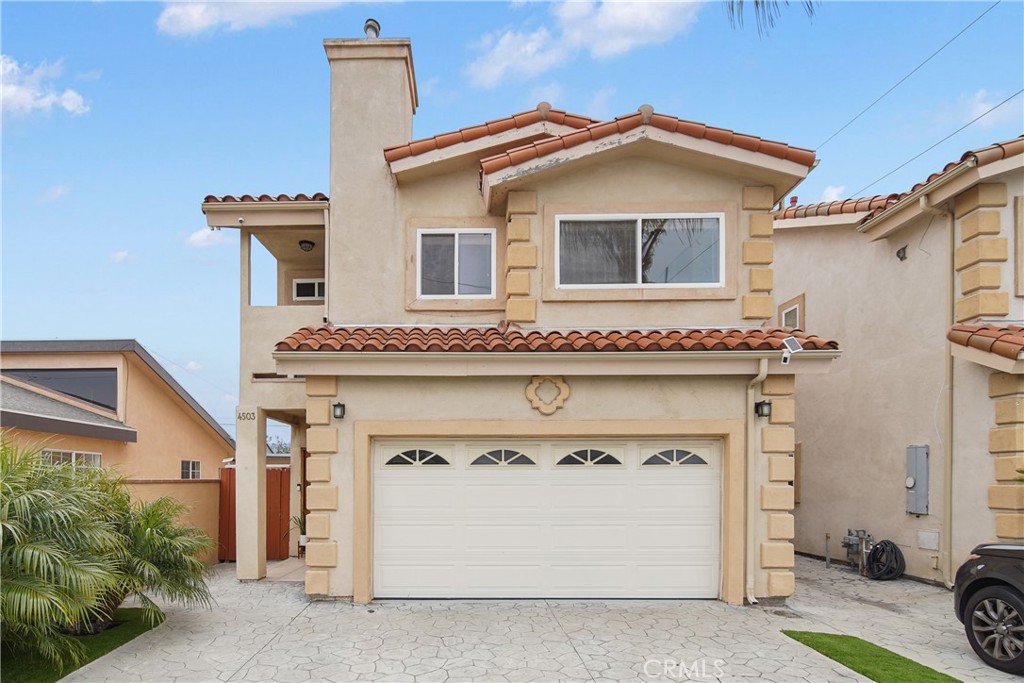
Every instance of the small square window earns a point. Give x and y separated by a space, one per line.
190 469
455 264
311 289
791 313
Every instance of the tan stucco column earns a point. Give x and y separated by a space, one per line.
251 492
295 495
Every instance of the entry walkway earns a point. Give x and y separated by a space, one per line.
269 631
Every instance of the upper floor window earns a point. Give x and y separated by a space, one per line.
95 385
308 289
455 264
191 469
645 250
73 458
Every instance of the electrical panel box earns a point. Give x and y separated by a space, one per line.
917 480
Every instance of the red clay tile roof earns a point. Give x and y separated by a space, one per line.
248 198
514 340
836 208
880 203
1003 341
543 112
646 116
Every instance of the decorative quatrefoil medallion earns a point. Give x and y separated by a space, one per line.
547 394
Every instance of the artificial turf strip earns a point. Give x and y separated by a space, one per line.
868 659
19 667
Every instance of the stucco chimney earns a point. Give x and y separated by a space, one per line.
373 99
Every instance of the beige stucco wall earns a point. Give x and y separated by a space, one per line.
885 393
973 465
455 406
654 186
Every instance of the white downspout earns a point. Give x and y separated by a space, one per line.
762 372
946 553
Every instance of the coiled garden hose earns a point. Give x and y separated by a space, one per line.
885 562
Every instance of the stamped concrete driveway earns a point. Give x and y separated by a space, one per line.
270 632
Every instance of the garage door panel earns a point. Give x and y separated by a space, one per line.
503 536
676 537
582 531
568 537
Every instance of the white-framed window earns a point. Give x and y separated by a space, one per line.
457 263
588 456
501 457
191 469
791 313
308 289
674 457
672 250
73 458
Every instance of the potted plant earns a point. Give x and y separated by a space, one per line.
299 522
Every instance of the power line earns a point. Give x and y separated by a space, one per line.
898 83
859 192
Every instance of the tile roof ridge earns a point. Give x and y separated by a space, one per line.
542 112
646 116
250 199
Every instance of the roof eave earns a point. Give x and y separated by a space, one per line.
265 214
50 424
835 221
587 363
989 360
894 217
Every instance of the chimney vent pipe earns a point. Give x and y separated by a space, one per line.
372 28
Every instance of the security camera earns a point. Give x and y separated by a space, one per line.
241 220
792 345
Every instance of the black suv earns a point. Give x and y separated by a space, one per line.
989 601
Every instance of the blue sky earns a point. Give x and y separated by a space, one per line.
118 118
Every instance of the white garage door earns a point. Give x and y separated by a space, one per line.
556 519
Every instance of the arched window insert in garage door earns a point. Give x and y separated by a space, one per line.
503 456
675 456
417 457
589 456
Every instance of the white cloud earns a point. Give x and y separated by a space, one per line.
205 237
611 28
833 193
982 100
52 194
514 52
27 89
600 103
193 18
551 93
119 256
603 29
193 366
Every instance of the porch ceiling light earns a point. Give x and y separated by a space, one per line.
306 245
763 409
339 410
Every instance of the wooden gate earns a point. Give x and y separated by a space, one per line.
278 519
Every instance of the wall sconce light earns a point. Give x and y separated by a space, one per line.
306 245
763 409
339 410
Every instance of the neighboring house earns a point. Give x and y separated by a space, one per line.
524 357
895 277
110 403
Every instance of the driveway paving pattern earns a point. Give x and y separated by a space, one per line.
270 632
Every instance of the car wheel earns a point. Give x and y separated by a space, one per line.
994 621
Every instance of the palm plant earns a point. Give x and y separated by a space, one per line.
159 557
765 12
56 536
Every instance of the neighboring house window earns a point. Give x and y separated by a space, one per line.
190 469
95 385
791 313
455 264
73 458
308 289
647 250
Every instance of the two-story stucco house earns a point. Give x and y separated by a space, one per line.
926 290
524 357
